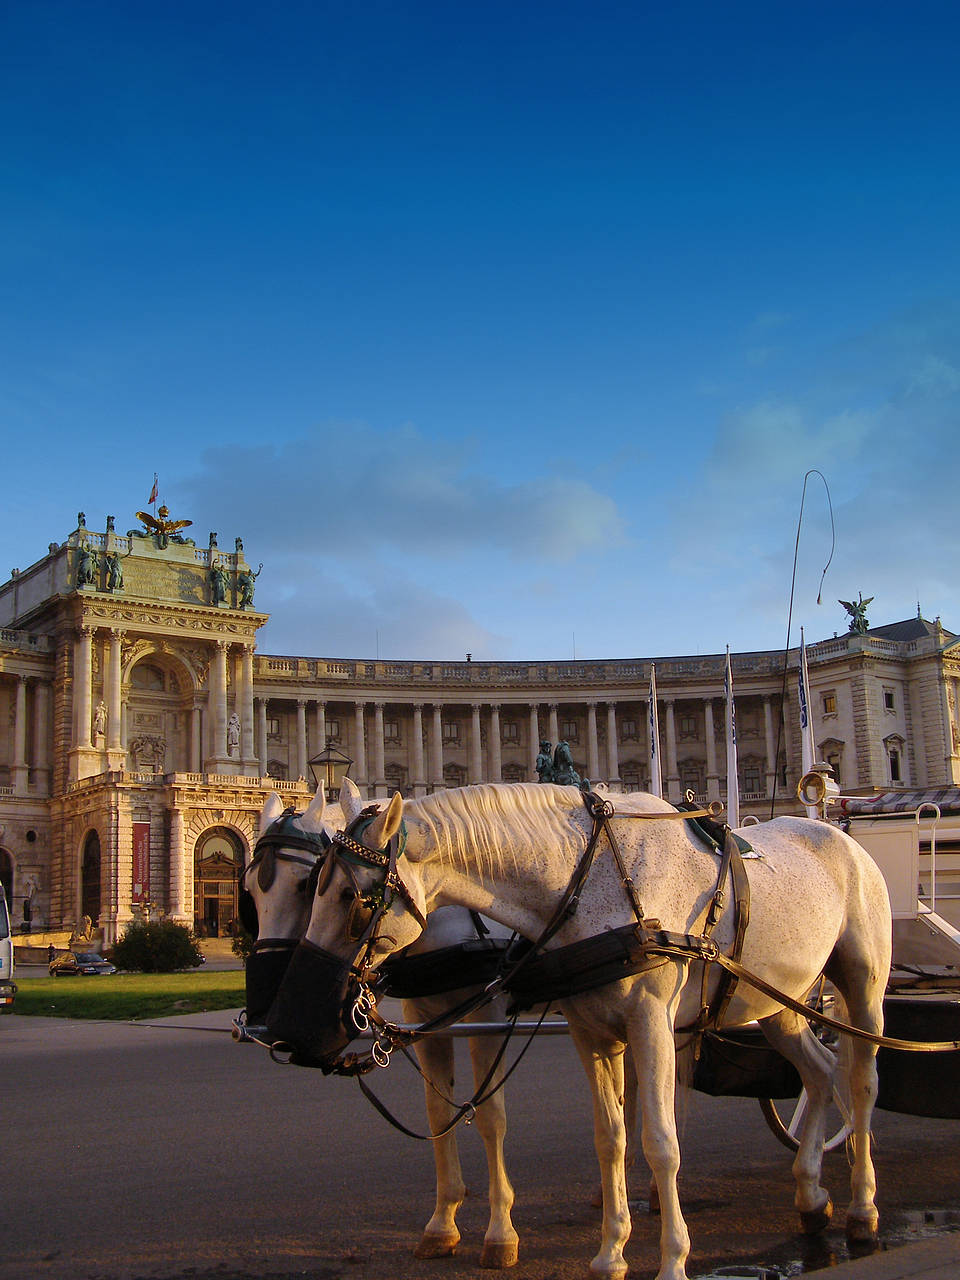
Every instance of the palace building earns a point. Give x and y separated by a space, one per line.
142 731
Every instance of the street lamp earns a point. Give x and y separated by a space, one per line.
329 768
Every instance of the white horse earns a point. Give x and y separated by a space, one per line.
277 880
818 904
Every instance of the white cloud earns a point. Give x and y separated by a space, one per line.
354 492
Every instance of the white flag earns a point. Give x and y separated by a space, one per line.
806 721
733 782
656 782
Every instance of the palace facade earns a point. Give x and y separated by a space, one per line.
142 731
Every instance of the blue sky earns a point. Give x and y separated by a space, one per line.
501 328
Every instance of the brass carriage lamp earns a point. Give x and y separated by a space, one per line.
329 768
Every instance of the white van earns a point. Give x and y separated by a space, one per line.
8 988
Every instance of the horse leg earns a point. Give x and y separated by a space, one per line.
862 993
441 1236
790 1035
604 1068
652 1043
501 1242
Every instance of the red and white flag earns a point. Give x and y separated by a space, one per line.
153 491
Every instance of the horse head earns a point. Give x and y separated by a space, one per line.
366 906
274 896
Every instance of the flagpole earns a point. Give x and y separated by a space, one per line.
733 780
807 751
656 781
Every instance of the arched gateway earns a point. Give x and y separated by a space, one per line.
218 857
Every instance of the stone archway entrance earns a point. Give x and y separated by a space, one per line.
217 861
90 900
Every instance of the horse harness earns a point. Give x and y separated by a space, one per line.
527 973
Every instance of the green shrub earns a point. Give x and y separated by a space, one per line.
242 944
160 947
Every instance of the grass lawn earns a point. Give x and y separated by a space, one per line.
126 997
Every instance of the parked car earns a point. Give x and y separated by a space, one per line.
79 962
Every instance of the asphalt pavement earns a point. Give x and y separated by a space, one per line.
932 1257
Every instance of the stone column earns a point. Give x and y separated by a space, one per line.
20 772
769 737
196 744
247 751
262 735
114 696
419 779
476 753
177 905
41 736
320 726
436 768
84 758
218 760
360 746
301 738
593 744
494 754
672 781
713 777
534 740
83 653
554 725
379 779
614 781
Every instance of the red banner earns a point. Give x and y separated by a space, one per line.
141 861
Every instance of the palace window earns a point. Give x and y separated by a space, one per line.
889 703
752 775
144 676
451 732
688 726
332 730
277 769
273 726
514 772
628 731
391 731
510 731
570 730
830 704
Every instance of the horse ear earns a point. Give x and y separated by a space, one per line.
386 824
271 811
351 801
312 817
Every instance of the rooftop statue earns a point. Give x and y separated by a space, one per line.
88 566
859 626
219 583
162 528
246 582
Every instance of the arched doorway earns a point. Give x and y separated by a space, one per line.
6 876
90 878
217 862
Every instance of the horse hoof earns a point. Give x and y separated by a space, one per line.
436 1246
814 1220
499 1254
863 1230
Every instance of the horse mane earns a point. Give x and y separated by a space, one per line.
493 823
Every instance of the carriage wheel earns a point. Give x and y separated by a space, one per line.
786 1128
839 1121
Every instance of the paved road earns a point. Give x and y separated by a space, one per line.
167 1151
